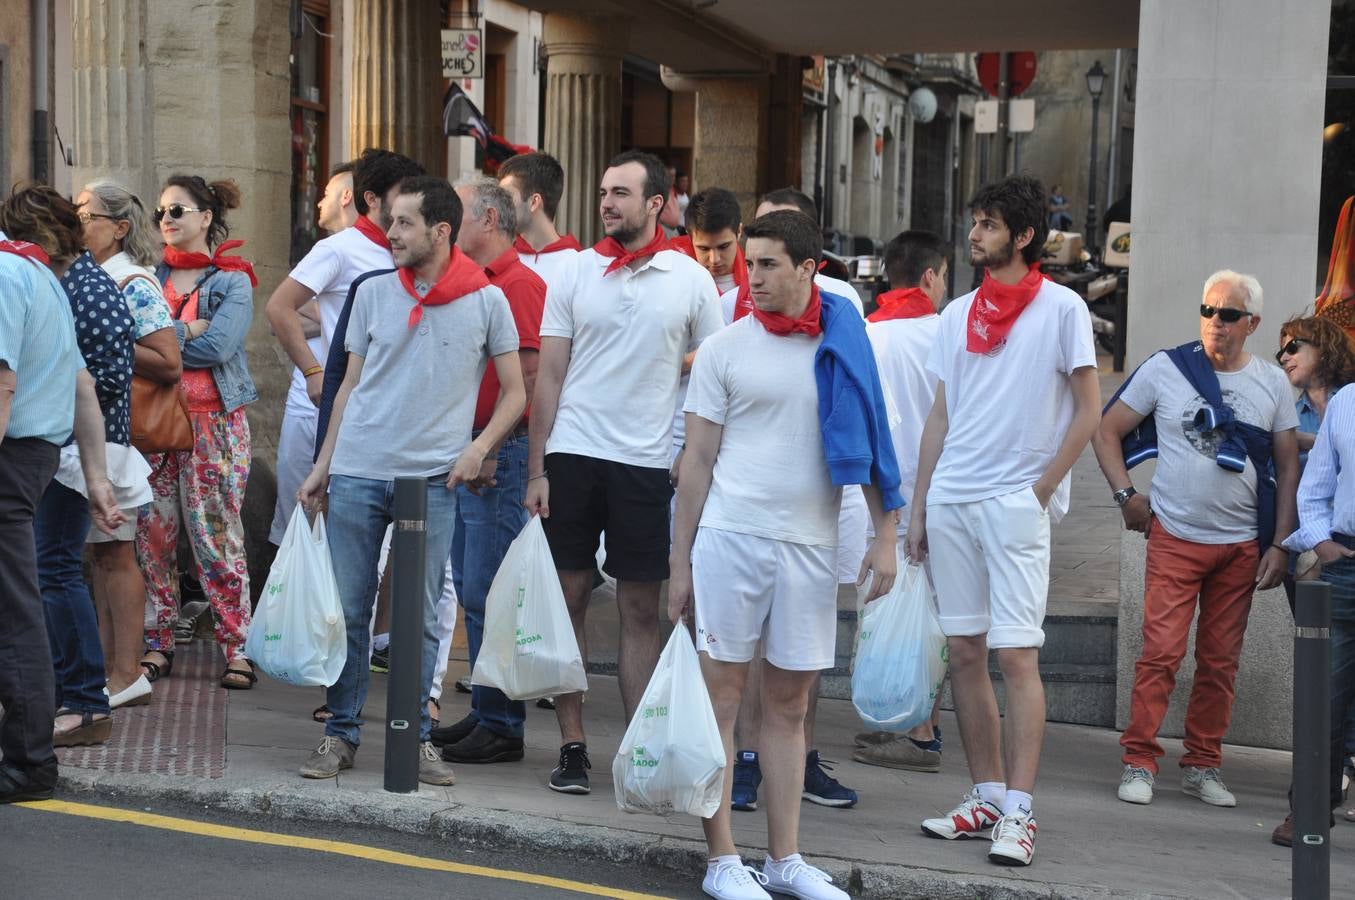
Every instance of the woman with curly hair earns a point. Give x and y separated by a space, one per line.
119 235
210 296
104 336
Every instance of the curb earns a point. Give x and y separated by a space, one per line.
500 830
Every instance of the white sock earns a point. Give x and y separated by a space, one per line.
794 857
994 792
381 641
1018 802
719 860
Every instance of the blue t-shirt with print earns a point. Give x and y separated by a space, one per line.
105 334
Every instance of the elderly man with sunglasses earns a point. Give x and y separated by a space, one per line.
1221 423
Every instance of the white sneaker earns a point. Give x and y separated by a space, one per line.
970 819
798 878
1136 785
732 880
1207 785
1013 841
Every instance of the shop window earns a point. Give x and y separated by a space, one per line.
310 124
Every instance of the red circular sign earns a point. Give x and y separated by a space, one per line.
1022 68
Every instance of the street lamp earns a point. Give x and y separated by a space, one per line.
1096 81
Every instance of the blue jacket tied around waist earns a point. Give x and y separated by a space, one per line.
1239 442
852 415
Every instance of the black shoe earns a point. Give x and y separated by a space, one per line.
381 660
571 775
454 733
484 746
17 785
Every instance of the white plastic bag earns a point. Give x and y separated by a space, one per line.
900 656
671 758
529 649
298 634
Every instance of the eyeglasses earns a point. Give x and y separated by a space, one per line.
1226 313
1290 348
175 210
86 217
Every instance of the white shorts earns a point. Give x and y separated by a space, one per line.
852 521
990 565
751 588
296 452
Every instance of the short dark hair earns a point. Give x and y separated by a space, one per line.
798 232
378 171
656 173
713 210
789 196
537 173
1021 203
440 202
216 196
343 168
911 253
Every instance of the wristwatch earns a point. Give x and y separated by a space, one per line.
1121 497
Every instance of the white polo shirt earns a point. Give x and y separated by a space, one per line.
556 268
331 267
630 331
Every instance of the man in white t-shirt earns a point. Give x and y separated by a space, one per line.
1017 399
762 565
613 348
536 182
435 320
324 276
820 787
1204 521
902 331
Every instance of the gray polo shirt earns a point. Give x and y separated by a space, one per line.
412 410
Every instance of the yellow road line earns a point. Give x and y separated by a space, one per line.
343 848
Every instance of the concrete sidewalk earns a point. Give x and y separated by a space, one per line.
1090 845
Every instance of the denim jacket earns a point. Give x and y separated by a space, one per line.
227 301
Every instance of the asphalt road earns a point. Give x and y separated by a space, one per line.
60 852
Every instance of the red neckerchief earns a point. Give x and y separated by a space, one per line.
782 325
26 249
568 242
903 303
743 302
610 246
462 277
372 232
179 259
996 308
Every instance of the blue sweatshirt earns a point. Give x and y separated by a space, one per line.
852 415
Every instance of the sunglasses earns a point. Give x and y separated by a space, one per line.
175 211
1227 314
1290 348
87 217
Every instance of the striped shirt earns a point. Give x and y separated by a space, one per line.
37 342
1327 490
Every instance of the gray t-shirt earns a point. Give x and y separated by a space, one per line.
1194 497
412 410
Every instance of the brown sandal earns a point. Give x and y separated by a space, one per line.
155 671
228 676
89 731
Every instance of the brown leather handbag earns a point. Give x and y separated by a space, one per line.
159 413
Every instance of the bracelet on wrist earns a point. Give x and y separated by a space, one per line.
316 369
535 477
1279 547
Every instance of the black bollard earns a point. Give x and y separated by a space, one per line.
1311 859
403 688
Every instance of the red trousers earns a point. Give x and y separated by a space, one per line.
1222 577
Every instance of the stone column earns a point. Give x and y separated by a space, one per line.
583 112
1227 165
397 66
730 124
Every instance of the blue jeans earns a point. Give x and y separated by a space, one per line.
485 526
1341 576
359 511
60 527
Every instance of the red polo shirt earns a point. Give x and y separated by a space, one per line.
526 294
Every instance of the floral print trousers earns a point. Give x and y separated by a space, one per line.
203 488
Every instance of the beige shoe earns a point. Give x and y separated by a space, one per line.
332 755
899 754
432 770
871 738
